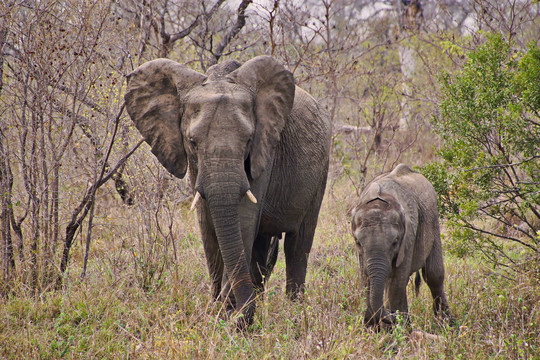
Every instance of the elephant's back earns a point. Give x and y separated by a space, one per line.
310 120
300 165
412 187
305 143
403 179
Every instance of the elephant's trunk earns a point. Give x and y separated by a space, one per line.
223 191
377 274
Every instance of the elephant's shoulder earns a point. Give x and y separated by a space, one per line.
307 112
305 105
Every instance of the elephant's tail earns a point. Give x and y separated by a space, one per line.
272 254
417 283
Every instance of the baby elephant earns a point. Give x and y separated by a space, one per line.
396 228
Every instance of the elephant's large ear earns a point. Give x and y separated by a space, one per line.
154 103
410 214
274 89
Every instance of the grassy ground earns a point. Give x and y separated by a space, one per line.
115 313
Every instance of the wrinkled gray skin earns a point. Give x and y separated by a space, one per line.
396 228
239 128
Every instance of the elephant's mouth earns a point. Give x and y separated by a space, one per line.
217 177
198 197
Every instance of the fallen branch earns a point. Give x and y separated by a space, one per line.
350 129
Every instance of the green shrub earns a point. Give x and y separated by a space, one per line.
488 178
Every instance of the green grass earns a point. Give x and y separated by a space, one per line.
110 316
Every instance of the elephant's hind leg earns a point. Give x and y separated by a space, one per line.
417 283
272 255
440 302
433 274
297 246
263 259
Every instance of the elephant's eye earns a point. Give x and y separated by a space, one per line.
357 240
192 143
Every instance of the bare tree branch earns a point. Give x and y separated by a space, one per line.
240 22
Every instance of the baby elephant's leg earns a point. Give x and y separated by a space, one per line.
397 298
433 274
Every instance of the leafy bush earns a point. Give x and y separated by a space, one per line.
488 180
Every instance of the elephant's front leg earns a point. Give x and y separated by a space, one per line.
397 298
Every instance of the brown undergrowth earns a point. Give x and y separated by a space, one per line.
113 313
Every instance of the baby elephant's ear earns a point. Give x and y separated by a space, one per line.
154 101
410 219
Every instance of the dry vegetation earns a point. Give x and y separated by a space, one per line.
112 315
75 180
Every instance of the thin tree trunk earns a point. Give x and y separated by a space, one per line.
6 185
410 17
407 65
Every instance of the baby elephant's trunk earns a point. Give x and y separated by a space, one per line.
377 279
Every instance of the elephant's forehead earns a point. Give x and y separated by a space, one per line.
218 110
366 217
226 93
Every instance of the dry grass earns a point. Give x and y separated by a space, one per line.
112 315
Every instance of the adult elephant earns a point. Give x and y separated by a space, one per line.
257 148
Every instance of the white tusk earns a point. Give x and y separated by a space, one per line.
195 201
251 196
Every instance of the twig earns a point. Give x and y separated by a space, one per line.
502 165
94 188
240 22
86 203
472 227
